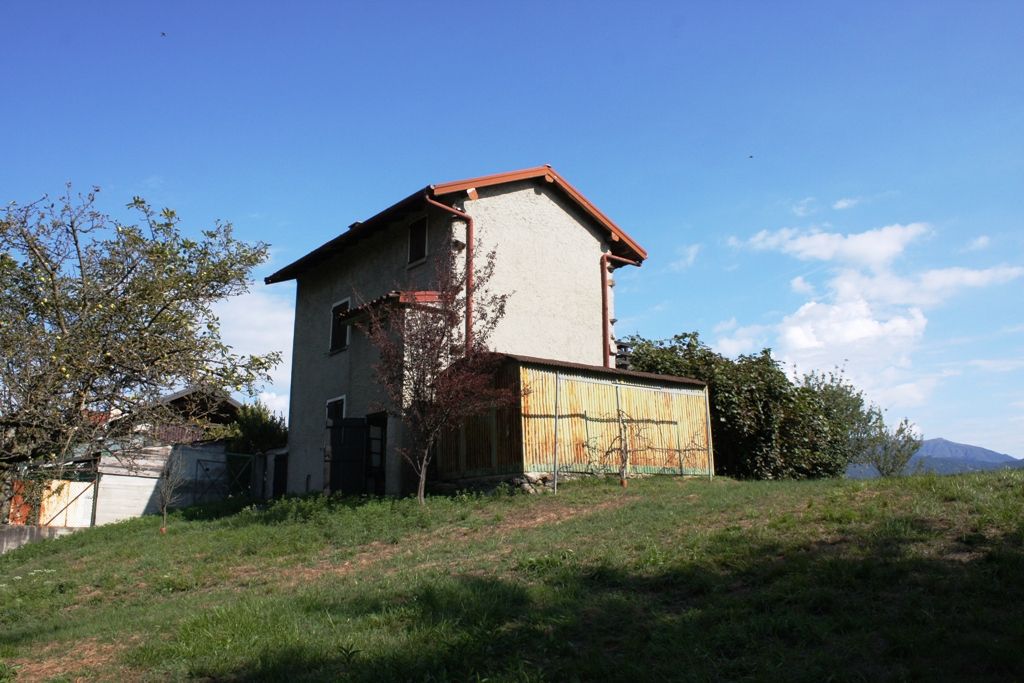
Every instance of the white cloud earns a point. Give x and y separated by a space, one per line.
929 288
278 403
258 322
947 280
687 256
846 203
873 248
997 364
908 394
743 340
725 326
850 325
801 286
804 207
979 243
875 348
867 316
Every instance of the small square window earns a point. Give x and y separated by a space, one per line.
335 411
418 241
339 330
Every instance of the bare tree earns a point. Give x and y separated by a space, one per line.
631 438
169 486
433 378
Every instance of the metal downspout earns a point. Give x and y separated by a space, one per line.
606 328
470 235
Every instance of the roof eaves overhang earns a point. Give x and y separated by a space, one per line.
355 232
621 244
597 369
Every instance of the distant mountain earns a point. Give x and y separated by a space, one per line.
941 448
946 457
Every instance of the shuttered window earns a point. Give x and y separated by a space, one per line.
418 241
339 330
335 411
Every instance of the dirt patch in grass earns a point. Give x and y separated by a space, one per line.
87 656
529 518
377 552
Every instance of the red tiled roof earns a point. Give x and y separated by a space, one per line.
552 176
621 244
393 297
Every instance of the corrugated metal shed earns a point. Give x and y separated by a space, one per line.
586 419
579 419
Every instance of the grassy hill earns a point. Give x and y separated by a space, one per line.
916 578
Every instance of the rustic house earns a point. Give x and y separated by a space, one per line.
556 253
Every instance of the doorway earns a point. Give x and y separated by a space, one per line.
358 448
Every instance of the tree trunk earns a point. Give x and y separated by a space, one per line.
421 490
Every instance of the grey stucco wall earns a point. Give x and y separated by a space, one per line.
370 268
547 255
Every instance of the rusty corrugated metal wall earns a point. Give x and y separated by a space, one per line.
62 503
663 426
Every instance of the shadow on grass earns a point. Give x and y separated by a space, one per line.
858 609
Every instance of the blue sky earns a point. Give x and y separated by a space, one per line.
841 182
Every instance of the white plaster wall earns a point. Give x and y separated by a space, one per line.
548 256
124 497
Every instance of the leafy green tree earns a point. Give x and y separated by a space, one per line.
889 450
764 426
99 319
255 430
845 411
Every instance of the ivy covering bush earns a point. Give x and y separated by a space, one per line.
765 426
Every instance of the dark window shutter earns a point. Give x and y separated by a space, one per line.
418 240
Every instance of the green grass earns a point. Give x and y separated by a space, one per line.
918 578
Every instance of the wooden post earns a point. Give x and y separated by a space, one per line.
558 384
679 449
707 417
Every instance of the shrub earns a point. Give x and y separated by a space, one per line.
765 426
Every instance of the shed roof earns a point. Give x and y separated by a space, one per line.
620 243
600 370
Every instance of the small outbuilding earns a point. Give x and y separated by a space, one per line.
575 418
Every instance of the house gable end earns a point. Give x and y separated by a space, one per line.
619 242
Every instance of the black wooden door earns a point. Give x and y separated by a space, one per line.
348 456
280 475
376 448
